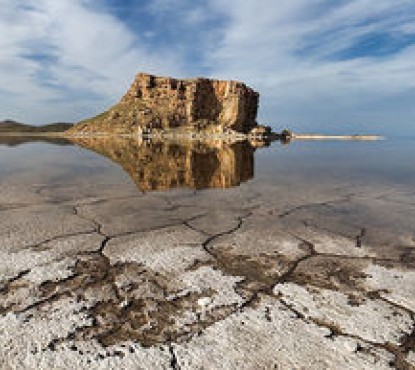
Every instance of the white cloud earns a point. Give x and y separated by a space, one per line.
406 28
293 51
286 50
94 54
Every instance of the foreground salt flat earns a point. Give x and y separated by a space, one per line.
243 278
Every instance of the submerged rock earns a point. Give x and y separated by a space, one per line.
159 104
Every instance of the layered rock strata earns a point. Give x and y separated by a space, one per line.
162 104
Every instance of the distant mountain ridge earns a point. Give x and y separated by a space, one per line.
9 125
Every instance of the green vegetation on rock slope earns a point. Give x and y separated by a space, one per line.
17 127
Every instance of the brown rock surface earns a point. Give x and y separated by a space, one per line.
164 103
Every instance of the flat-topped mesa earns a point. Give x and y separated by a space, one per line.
164 103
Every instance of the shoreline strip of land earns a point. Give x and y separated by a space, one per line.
200 135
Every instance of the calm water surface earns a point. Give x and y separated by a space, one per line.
161 167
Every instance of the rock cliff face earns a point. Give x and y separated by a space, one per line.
163 103
162 165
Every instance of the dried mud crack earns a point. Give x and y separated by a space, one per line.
244 285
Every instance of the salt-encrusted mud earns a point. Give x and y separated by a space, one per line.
244 278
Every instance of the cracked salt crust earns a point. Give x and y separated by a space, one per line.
238 333
330 243
45 255
247 340
394 284
123 216
335 309
410 358
206 278
259 236
52 271
21 351
169 250
29 226
215 222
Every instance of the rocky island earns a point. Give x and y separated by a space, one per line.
164 104
167 107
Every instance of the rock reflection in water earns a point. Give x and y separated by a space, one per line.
162 165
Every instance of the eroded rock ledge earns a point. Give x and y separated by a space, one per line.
154 104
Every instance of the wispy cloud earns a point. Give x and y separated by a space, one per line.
316 63
61 60
313 60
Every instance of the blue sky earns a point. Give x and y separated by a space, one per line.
320 65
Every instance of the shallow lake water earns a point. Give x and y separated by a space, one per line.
387 162
184 254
